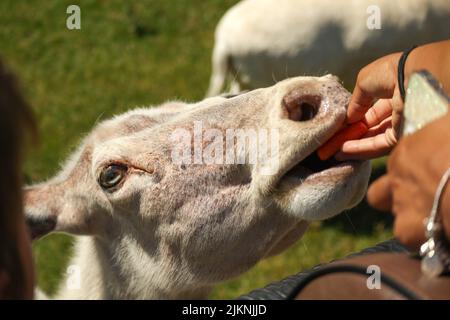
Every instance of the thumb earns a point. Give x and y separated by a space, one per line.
379 194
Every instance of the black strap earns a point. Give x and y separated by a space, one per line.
401 71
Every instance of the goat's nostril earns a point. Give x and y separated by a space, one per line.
308 111
301 107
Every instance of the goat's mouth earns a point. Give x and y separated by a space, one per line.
317 190
311 168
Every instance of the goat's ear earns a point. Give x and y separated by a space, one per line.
50 207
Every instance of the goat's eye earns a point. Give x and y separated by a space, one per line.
112 175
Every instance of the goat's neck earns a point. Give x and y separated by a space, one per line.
99 278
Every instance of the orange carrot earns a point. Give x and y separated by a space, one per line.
332 146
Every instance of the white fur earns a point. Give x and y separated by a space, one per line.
259 42
171 232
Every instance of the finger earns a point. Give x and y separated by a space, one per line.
378 112
397 114
363 149
376 80
359 104
379 194
380 128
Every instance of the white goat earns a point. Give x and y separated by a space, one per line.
149 227
259 42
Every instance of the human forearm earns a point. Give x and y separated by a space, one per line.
434 57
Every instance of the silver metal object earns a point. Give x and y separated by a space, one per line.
435 252
425 101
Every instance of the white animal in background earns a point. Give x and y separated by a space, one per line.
148 228
259 42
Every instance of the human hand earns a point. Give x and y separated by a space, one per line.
377 82
414 170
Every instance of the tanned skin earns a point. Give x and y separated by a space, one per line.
418 162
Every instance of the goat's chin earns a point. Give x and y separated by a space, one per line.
322 195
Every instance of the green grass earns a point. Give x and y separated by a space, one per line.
127 54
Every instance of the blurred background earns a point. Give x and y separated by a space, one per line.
129 54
